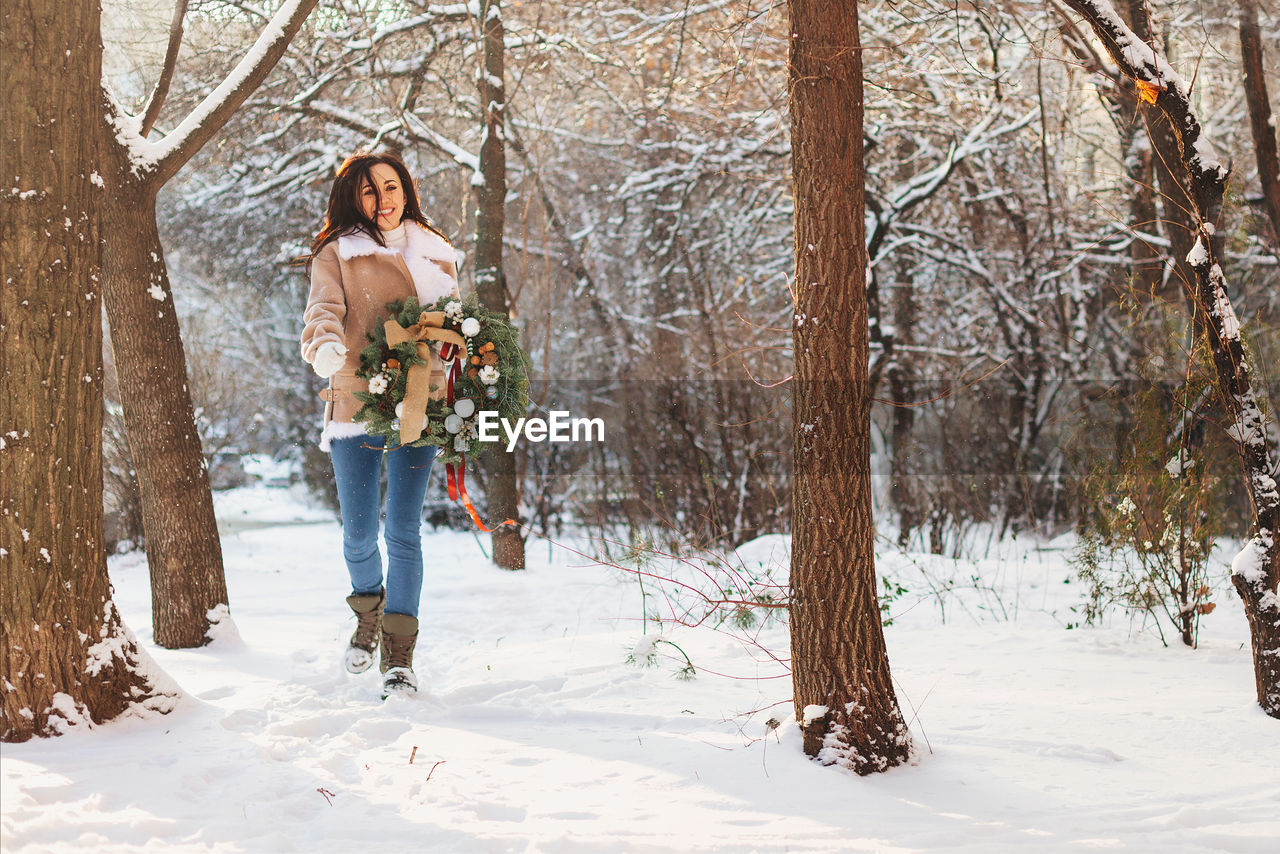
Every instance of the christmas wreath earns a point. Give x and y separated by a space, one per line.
433 371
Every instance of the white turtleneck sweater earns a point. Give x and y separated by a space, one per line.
397 238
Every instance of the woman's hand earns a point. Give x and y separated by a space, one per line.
329 359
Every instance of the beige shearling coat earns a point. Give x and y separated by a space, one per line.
352 280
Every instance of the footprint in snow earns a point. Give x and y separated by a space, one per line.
1079 751
244 719
379 732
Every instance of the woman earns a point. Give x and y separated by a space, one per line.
376 247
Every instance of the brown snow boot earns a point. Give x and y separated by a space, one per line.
399 636
368 610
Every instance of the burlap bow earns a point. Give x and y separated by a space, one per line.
419 389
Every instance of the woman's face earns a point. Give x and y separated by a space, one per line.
387 181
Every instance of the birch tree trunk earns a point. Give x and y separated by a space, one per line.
491 281
65 657
844 698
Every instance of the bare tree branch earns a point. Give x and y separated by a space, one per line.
152 112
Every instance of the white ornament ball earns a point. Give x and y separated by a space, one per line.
465 407
453 423
470 327
400 410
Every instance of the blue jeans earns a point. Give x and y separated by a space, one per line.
357 463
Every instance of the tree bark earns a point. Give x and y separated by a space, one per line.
1139 167
1260 120
502 489
1256 572
65 657
844 698
1177 209
184 552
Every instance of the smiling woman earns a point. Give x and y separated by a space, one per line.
376 248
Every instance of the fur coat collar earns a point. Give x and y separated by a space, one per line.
423 243
428 258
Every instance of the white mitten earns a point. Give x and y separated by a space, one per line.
329 359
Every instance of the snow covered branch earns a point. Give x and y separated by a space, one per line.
433 15
162 159
1256 572
446 146
1159 84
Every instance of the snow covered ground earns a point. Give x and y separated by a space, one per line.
534 734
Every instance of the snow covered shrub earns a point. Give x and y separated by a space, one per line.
645 653
734 592
1153 516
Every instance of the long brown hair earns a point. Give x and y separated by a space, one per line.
345 214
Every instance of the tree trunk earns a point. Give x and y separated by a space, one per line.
904 473
183 549
1177 210
1260 119
1139 167
491 281
65 657
844 696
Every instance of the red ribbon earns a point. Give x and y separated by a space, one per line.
456 475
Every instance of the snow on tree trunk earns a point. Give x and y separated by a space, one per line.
1256 571
184 552
491 281
844 698
65 657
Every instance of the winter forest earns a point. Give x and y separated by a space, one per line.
929 335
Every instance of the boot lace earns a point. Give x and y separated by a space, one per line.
367 630
399 650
